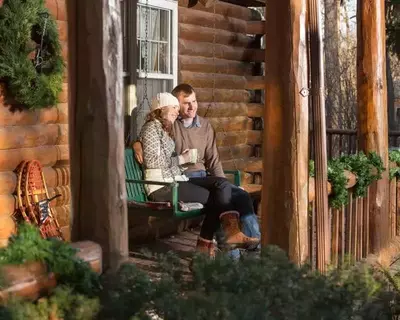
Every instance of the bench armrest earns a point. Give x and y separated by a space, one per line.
236 174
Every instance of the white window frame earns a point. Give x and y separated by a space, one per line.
173 6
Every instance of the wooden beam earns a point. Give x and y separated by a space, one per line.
207 3
247 3
372 111
97 127
255 83
318 111
285 149
255 27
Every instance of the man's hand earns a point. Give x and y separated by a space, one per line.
137 147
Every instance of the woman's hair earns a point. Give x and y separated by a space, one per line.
166 124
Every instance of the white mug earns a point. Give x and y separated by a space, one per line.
193 155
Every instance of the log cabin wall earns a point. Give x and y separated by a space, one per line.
41 135
236 113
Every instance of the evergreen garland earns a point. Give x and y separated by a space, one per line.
394 156
23 24
367 168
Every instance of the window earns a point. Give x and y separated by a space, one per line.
160 19
161 48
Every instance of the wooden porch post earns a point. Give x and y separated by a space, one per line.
319 128
285 149
372 109
97 127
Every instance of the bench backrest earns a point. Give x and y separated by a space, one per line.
133 171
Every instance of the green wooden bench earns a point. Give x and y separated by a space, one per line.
137 197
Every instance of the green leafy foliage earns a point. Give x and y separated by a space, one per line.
265 287
394 156
64 303
23 24
27 246
367 168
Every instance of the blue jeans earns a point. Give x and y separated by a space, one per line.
244 205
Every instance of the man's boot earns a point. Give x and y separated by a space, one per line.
234 238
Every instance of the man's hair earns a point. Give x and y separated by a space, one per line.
183 88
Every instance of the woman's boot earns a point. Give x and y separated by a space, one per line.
206 247
234 238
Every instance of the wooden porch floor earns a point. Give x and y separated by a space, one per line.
182 244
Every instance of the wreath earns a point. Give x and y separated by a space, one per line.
31 64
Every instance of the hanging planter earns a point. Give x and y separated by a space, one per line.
31 64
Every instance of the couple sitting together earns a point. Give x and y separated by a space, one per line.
178 145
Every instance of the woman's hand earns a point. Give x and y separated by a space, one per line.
184 157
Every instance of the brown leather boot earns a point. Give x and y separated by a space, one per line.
234 238
206 247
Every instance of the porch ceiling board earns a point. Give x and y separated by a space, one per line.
247 3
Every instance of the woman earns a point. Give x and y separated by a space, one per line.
161 163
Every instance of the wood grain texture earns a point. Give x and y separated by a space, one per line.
285 149
97 127
204 49
372 110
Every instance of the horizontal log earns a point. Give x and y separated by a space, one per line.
224 9
351 181
66 232
9 202
254 137
61 10
216 110
204 80
11 117
253 189
231 124
255 110
209 20
210 65
62 214
51 5
33 279
231 138
256 27
255 83
65 195
222 95
64 50
63 96
248 165
54 176
17 137
46 155
204 49
204 34
62 27
233 152
248 3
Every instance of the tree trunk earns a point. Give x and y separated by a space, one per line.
332 63
285 141
97 127
372 110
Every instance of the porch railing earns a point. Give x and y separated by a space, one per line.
349 227
339 141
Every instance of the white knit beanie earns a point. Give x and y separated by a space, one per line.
163 99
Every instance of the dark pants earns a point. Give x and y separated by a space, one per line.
215 193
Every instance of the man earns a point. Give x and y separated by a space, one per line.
194 132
